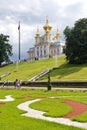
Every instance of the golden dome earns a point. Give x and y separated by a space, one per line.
57 34
38 33
47 27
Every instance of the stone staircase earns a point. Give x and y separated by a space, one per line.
4 75
40 75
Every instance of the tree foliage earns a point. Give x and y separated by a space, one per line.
76 42
5 48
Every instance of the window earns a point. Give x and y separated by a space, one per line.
44 52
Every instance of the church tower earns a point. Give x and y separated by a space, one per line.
47 27
46 45
57 35
37 38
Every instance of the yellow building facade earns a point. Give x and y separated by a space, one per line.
46 45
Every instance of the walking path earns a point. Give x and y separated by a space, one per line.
39 115
77 108
7 99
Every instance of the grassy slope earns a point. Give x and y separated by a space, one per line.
27 70
67 72
10 115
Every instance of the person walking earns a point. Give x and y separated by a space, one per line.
17 83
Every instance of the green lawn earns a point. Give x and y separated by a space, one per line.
10 115
52 107
68 72
26 70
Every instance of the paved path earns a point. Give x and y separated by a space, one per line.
77 108
39 115
54 88
8 98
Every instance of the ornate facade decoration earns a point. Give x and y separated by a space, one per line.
46 45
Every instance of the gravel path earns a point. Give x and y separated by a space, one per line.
77 108
39 115
8 98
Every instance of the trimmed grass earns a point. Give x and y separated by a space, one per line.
52 107
68 72
55 107
27 70
10 115
81 118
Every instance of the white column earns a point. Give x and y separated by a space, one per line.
47 50
35 52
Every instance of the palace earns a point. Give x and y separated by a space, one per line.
46 45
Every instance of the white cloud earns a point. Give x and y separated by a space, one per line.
32 14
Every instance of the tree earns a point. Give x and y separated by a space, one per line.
5 49
76 42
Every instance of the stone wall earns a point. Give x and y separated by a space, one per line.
61 84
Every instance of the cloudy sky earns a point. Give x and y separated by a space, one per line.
32 13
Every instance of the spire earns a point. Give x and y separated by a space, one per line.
47 27
37 33
57 34
47 20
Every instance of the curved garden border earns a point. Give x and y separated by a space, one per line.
39 115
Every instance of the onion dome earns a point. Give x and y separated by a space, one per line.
47 27
37 33
57 34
